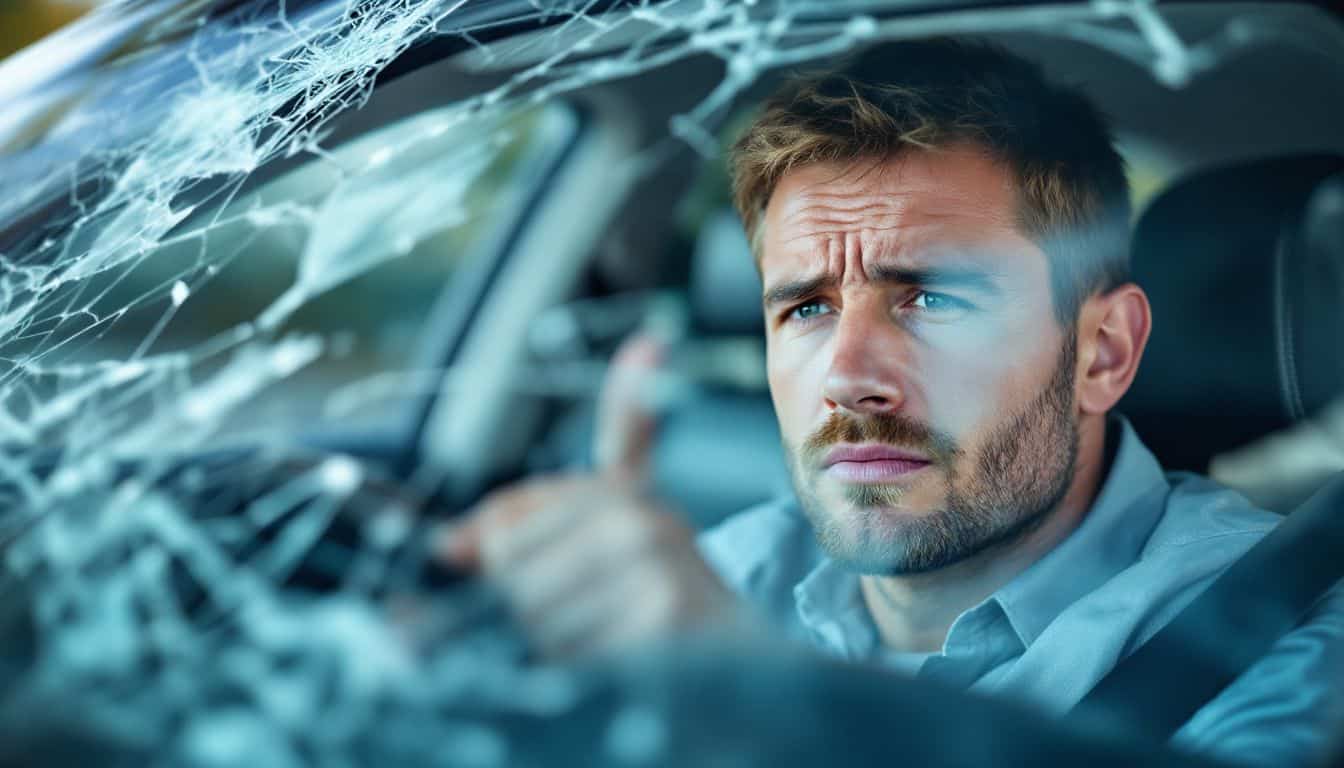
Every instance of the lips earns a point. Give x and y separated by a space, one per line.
872 463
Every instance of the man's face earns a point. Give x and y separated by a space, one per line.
924 389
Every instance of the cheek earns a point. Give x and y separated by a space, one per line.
969 384
795 375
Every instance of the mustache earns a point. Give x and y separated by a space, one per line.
884 428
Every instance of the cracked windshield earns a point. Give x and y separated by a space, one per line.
678 382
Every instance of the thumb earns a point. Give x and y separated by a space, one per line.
458 544
626 421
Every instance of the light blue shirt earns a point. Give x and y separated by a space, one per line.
1148 546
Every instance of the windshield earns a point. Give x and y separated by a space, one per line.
242 245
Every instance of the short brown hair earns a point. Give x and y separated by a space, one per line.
1073 198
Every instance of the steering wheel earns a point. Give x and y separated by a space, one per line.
692 701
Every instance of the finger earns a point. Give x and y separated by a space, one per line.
458 544
542 530
467 543
582 559
625 421
571 627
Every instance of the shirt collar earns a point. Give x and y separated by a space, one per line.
830 606
1108 540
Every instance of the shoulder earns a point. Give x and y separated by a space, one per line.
1185 533
1201 529
1202 515
762 552
1204 528
1286 709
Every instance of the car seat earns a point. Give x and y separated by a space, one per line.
1244 266
718 449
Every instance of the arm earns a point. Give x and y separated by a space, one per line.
1288 709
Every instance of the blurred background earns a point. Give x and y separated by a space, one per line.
24 21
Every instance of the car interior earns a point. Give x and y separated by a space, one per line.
1232 171
617 217
1238 242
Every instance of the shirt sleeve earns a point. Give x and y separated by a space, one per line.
1288 708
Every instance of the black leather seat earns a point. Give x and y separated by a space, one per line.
1244 267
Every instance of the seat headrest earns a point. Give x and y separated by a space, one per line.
718 451
1244 267
725 289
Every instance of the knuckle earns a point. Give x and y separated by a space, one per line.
497 508
667 529
663 597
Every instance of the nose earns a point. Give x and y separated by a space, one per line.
865 375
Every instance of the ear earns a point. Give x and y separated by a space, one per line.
1112 331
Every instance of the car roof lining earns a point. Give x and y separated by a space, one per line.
1214 119
1266 100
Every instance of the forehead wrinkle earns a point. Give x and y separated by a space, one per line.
894 219
852 257
825 214
834 252
817 240
835 255
814 210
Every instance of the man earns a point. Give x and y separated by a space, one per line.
943 242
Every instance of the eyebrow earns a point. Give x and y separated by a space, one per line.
973 278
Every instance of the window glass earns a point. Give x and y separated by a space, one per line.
349 254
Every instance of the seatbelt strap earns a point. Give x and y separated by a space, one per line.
1233 624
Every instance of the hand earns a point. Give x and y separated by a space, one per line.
588 563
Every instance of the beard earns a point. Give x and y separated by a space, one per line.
993 496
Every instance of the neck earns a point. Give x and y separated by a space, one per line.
914 612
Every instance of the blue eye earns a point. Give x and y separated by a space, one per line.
938 302
809 310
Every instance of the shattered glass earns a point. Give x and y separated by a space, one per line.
164 571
